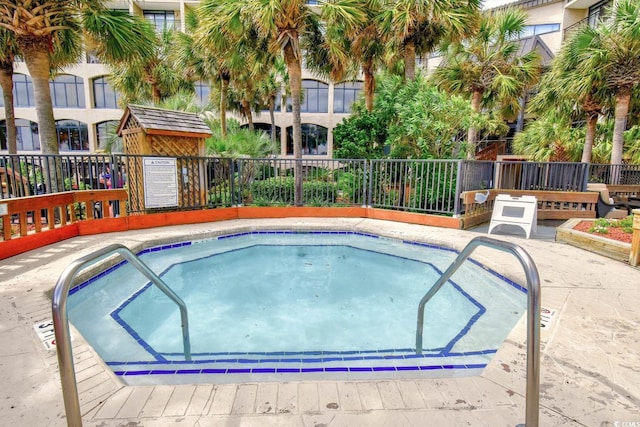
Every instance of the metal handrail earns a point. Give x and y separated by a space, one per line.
532 395
61 321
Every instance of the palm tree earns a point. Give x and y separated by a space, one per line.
281 23
563 92
48 34
154 78
270 87
488 67
215 40
549 138
417 26
610 55
356 39
8 52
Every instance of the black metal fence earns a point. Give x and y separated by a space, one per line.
428 186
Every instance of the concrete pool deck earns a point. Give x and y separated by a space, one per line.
590 363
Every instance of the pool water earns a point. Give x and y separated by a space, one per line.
290 303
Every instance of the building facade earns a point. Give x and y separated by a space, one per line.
86 106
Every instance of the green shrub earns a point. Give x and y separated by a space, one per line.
280 191
349 186
220 195
602 225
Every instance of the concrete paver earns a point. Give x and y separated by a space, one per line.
590 366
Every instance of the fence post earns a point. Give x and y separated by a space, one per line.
634 256
370 195
232 189
456 202
365 192
587 175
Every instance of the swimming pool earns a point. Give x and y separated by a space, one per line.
262 307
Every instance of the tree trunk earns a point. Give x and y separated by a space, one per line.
6 82
246 112
590 137
472 134
623 98
224 94
35 51
272 117
369 84
409 61
295 82
36 57
156 93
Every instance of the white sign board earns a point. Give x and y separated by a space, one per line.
4 209
160 182
520 211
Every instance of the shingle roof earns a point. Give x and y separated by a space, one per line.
158 119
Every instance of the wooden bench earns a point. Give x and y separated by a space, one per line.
624 192
551 204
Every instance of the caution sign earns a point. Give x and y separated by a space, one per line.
546 316
47 334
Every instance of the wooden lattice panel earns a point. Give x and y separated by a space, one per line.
135 178
132 143
132 123
174 146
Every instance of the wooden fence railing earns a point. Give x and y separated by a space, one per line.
21 216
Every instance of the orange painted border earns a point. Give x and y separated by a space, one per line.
20 245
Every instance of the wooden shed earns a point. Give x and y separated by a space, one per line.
147 132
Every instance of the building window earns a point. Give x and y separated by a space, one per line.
72 135
67 91
106 133
315 97
22 92
203 90
266 128
345 94
534 30
27 138
598 12
104 96
314 140
161 19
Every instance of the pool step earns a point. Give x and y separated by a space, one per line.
312 365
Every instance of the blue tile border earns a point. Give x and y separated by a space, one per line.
409 354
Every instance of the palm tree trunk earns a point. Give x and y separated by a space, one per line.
590 137
409 61
272 116
224 94
295 82
246 111
623 98
472 134
36 57
156 93
6 82
369 84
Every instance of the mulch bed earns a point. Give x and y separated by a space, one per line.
614 233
